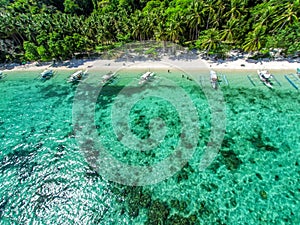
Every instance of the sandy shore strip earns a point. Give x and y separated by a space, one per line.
163 63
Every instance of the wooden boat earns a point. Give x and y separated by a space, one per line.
108 77
146 77
265 77
47 74
77 76
213 79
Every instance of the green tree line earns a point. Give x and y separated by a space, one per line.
60 29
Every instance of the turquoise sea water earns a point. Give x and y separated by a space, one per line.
46 178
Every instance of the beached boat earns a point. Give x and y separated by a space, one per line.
213 79
77 76
146 77
265 76
47 74
108 77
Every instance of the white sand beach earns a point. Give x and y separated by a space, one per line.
164 63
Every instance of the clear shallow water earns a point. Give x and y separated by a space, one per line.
45 178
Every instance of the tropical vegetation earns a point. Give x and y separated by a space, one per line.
62 29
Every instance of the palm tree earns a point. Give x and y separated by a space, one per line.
210 13
209 40
220 9
228 34
255 39
288 13
236 9
173 30
195 18
137 25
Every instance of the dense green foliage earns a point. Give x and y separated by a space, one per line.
47 29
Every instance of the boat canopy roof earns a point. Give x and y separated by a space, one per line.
266 73
46 72
145 75
213 74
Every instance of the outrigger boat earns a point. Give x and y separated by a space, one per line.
2 75
213 79
47 74
264 76
108 77
145 77
77 76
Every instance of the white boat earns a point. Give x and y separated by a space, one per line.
2 75
77 76
213 79
108 77
145 77
46 74
265 76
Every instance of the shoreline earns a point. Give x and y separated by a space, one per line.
241 64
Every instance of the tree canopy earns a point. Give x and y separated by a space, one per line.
47 29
